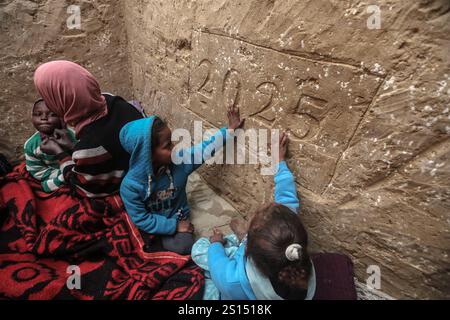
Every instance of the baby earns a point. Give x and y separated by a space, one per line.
41 165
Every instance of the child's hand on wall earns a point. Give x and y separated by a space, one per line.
217 237
185 227
50 146
234 118
62 137
283 146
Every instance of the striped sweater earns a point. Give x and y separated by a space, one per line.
42 166
98 163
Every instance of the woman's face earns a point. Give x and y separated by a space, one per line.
162 154
44 120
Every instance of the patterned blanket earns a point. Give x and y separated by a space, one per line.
58 246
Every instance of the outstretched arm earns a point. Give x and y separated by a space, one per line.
207 149
285 189
198 154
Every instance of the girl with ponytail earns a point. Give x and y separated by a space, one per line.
272 261
277 245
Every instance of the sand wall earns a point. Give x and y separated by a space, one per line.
367 109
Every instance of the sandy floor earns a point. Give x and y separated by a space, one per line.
208 209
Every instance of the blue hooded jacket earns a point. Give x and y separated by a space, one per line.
156 201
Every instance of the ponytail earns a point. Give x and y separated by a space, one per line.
277 243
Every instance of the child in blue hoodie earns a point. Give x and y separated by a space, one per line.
272 262
154 189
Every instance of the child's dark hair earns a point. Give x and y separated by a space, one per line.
158 126
276 229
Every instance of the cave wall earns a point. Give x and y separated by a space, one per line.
367 110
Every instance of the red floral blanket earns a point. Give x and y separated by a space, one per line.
45 240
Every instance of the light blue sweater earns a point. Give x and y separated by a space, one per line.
230 275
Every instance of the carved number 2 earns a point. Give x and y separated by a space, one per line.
205 71
231 89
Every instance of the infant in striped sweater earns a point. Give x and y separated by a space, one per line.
41 165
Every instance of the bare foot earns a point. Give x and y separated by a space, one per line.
239 227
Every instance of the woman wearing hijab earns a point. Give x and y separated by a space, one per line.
95 166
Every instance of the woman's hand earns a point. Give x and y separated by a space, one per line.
217 237
63 138
185 227
51 147
234 118
283 146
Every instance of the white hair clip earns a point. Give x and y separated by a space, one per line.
294 252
